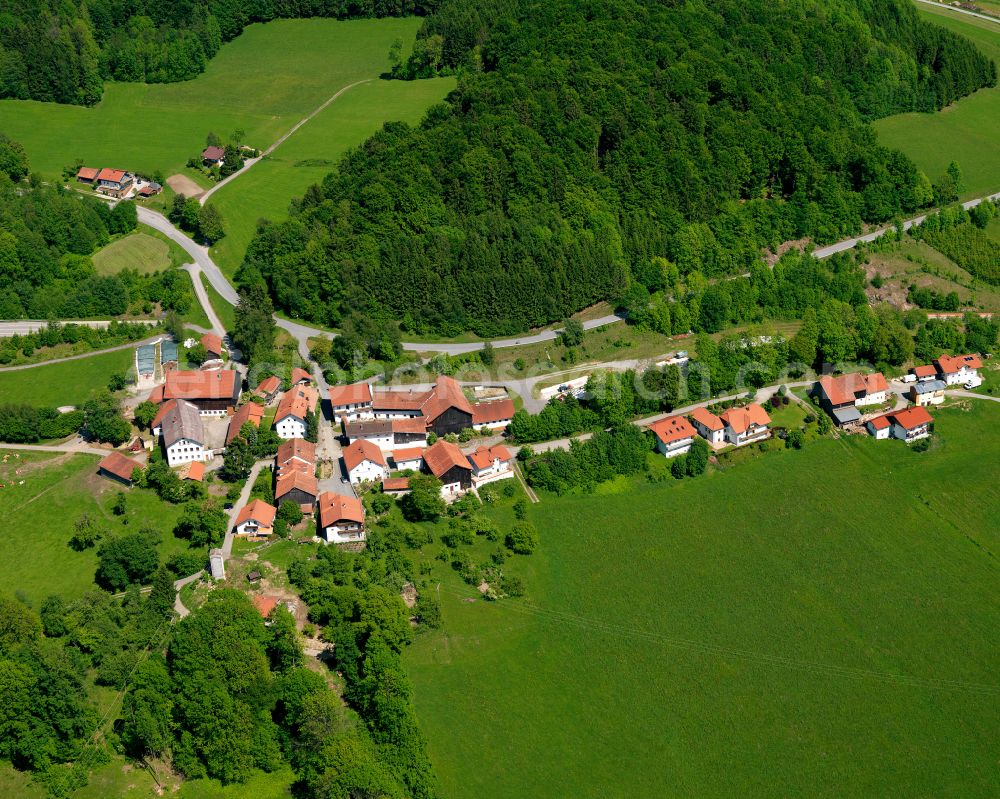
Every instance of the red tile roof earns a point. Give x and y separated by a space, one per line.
299 402
489 412
196 471
411 425
118 465
845 388
156 395
447 394
408 400
250 412
442 456
912 417
259 511
353 394
268 385
163 411
189 384
213 153
483 457
948 365
292 479
879 422
299 374
672 428
396 484
407 454
212 343
336 507
362 450
706 418
114 175
740 419
927 370
296 448
87 173
264 604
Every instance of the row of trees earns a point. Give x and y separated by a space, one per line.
27 424
204 222
81 336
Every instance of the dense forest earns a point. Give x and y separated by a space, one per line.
584 139
63 50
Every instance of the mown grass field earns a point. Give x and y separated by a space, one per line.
815 623
138 251
223 310
68 383
312 152
264 81
963 132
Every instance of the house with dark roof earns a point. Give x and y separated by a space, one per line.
674 435
928 392
341 518
213 156
447 463
117 467
746 425
184 434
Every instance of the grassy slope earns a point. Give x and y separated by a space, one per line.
965 131
225 311
313 151
774 630
136 251
63 383
263 81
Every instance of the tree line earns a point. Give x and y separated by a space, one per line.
555 174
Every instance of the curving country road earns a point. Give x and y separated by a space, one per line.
965 11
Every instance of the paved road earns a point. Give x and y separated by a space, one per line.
178 585
958 392
960 10
227 545
24 326
251 161
90 354
204 301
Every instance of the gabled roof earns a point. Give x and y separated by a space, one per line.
298 449
212 343
740 419
334 508
264 604
118 465
396 484
912 417
879 422
372 428
408 400
213 153
183 421
299 374
192 385
353 394
250 412
846 388
949 365
290 480
196 471
87 173
672 428
706 418
929 386
447 394
114 175
927 370
299 402
414 425
407 454
268 385
259 511
362 450
490 412
156 395
164 408
483 457
442 456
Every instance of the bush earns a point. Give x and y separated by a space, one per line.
523 538
125 560
428 611
184 564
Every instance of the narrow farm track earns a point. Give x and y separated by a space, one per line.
90 354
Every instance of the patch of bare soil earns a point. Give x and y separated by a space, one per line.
182 184
772 257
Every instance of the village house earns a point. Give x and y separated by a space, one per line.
708 425
490 464
365 463
925 372
341 519
911 424
268 388
444 408
255 518
213 393
674 435
879 427
388 434
87 175
297 486
408 458
928 392
213 156
959 369
184 434
248 412
841 396
114 182
447 463
213 346
117 467
296 454
156 426
746 425
492 415
294 410
351 402
300 377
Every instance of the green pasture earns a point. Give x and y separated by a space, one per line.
312 152
223 310
966 131
264 81
813 623
67 383
138 251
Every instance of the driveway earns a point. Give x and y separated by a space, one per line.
227 544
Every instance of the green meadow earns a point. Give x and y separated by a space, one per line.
267 189
67 383
264 81
966 131
140 251
812 623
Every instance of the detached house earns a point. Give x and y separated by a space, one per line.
268 388
300 377
114 182
408 458
341 519
928 392
879 427
213 156
674 435
708 425
911 424
213 346
294 410
298 486
184 434
256 518
746 425
351 402
959 369
490 464
447 463
364 462
842 396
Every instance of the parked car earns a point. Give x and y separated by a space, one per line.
976 382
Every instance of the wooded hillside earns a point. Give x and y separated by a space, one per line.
586 139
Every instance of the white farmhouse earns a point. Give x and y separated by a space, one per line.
365 463
184 434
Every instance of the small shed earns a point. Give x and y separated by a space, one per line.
117 467
217 562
